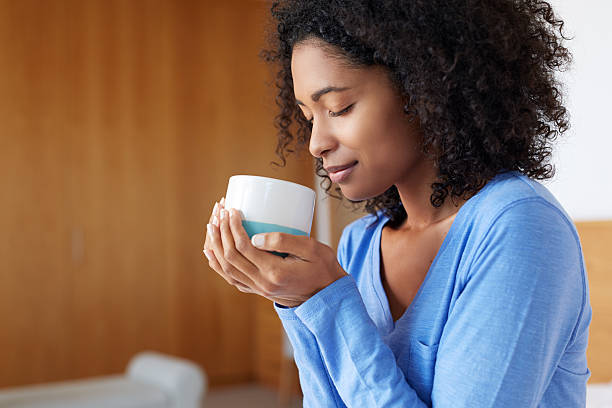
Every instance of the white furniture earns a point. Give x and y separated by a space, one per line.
599 395
152 380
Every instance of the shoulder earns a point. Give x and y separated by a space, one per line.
519 236
512 189
516 223
512 200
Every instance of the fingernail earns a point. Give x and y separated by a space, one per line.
209 228
207 254
223 214
215 220
223 201
215 208
257 240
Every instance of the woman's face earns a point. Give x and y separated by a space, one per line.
357 117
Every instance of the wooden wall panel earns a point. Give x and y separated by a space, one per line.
35 278
268 343
596 240
121 123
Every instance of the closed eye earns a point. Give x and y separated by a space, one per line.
335 114
342 112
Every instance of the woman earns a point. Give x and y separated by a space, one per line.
465 285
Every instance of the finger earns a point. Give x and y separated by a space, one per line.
214 264
219 251
232 254
243 243
268 274
211 220
301 246
213 212
214 217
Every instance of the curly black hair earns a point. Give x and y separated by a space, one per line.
478 74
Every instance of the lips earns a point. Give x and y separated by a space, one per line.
334 169
340 173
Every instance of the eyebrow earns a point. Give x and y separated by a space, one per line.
317 95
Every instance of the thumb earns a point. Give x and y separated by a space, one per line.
300 246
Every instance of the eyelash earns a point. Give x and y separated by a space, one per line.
336 114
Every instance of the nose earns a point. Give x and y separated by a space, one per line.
321 139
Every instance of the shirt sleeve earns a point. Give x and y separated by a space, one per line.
505 334
361 366
317 386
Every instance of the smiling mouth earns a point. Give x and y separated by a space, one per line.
341 173
336 169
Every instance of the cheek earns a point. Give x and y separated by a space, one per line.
365 129
382 139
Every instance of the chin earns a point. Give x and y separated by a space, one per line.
357 195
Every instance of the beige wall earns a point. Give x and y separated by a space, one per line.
121 122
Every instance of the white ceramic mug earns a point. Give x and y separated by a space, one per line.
271 205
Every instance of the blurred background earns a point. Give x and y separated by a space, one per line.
121 122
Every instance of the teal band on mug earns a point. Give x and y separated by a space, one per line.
254 227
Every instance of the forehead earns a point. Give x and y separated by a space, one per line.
314 67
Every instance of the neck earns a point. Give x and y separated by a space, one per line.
415 192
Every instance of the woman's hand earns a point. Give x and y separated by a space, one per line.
309 267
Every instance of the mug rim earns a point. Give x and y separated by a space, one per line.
273 180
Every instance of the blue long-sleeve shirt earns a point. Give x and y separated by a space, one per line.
500 320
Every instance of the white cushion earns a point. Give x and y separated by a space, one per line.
183 381
99 392
599 395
